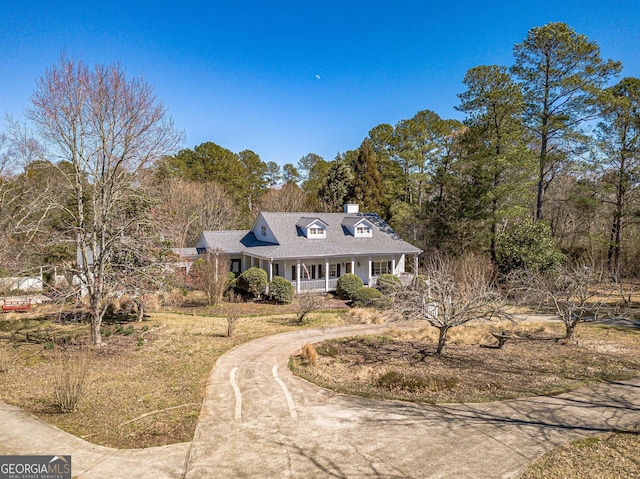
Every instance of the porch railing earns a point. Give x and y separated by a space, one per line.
313 285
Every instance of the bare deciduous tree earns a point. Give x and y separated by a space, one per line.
457 291
307 303
188 208
104 129
23 198
289 198
210 275
573 292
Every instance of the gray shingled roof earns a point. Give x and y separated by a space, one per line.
293 244
184 252
304 221
350 220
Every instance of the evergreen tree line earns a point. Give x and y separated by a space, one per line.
550 140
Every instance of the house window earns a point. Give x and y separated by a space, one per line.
201 250
235 266
363 231
276 269
333 271
263 230
380 267
314 231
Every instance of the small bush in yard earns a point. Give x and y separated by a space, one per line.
281 290
348 284
310 355
307 303
368 297
388 284
232 319
253 280
70 381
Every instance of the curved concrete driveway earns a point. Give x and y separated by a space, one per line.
260 421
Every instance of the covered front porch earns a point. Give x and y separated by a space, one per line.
321 274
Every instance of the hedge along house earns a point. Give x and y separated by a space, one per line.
312 250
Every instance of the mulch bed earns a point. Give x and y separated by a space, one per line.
384 367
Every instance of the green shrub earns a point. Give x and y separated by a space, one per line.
231 283
388 284
527 245
420 281
368 297
347 285
281 290
253 280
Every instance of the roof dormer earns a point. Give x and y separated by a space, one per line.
312 228
358 227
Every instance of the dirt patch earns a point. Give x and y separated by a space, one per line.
608 455
405 366
146 383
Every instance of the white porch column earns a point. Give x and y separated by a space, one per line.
393 265
284 272
415 265
298 277
326 275
215 271
369 272
270 269
353 266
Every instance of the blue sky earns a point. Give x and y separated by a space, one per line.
285 78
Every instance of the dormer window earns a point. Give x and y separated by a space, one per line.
315 232
263 230
312 227
358 226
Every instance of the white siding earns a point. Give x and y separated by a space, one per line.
257 230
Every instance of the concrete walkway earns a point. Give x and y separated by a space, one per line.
259 421
22 433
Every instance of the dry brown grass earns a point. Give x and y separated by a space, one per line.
162 365
70 377
8 359
403 365
477 333
366 316
612 455
309 355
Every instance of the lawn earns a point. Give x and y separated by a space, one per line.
613 455
399 365
146 383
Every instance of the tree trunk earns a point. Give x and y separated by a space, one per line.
540 195
96 322
96 318
544 144
442 339
569 329
140 310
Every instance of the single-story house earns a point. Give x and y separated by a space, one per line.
312 250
